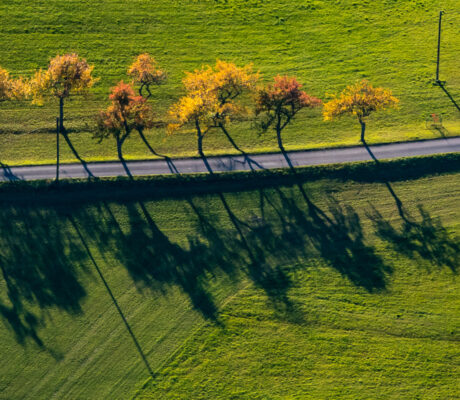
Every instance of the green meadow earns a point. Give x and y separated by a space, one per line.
326 44
319 290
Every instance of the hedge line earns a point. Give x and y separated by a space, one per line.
121 188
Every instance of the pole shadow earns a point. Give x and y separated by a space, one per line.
444 89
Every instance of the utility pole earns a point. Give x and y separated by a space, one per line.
439 45
57 149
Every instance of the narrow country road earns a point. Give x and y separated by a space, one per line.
235 163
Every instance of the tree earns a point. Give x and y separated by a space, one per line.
127 112
145 72
210 99
360 100
280 102
11 89
66 75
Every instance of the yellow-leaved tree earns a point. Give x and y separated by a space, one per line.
145 72
11 89
359 100
210 100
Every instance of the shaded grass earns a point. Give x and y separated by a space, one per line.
299 314
327 45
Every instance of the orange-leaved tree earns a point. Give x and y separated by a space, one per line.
66 75
210 99
145 72
360 100
280 102
127 112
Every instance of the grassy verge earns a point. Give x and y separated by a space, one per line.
326 44
343 306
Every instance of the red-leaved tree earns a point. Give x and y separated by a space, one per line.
127 112
280 102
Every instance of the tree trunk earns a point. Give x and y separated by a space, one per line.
363 130
120 156
57 150
280 141
61 115
200 147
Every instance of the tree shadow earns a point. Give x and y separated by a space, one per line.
66 137
338 239
40 265
168 160
272 278
287 231
252 164
425 237
336 235
442 131
444 89
422 235
8 174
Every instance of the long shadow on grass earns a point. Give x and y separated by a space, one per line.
335 234
443 87
40 267
41 259
415 236
271 277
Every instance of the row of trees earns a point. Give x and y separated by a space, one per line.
214 97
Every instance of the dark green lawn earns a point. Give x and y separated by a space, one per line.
326 44
268 294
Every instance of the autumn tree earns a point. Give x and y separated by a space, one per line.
127 112
279 104
66 74
11 89
210 99
359 100
230 82
145 72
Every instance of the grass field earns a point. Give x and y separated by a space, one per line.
326 44
328 300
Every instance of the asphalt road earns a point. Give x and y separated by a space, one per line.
234 163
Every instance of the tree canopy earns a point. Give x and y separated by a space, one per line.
280 102
66 74
11 89
360 99
145 72
210 95
126 112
